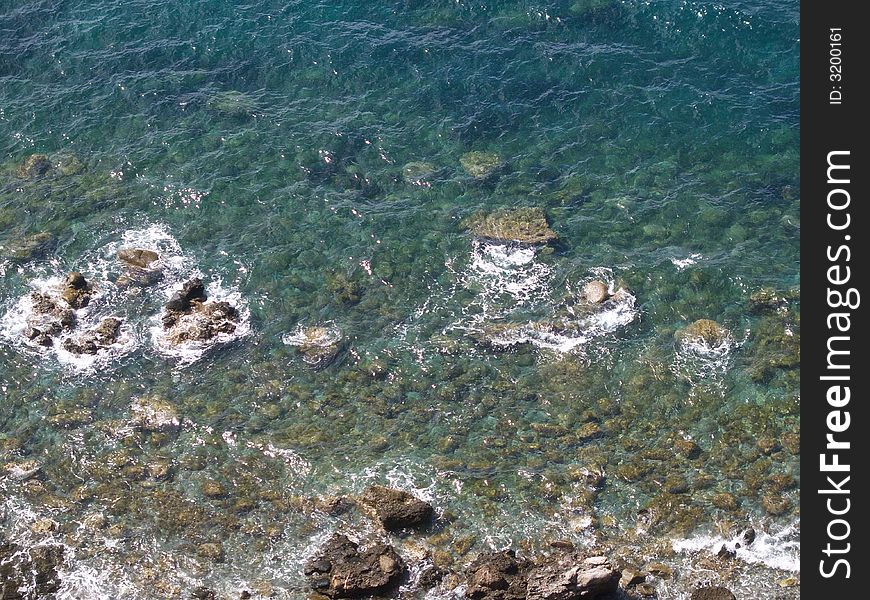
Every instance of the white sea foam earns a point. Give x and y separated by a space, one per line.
777 550
684 263
187 353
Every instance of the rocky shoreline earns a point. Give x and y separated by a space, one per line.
359 565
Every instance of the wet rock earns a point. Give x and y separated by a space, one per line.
712 593
49 318
154 414
676 484
645 589
343 570
213 489
768 299
571 576
726 553
190 317
91 342
747 536
498 576
343 289
32 569
660 570
596 292
138 257
396 509
768 445
69 164
76 290
480 165
631 577
526 225
34 166
203 593
704 331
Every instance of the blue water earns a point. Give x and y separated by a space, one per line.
274 149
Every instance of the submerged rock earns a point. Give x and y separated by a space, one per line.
480 165
319 345
706 332
27 573
343 570
418 173
154 414
232 103
77 291
526 225
34 166
713 593
396 509
29 247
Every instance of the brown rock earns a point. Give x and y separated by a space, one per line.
396 509
342 570
138 257
596 292
35 165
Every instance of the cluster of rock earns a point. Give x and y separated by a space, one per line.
27 573
189 316
142 267
52 316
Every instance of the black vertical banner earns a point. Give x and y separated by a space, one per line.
834 423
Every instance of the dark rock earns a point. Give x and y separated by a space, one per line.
712 593
498 576
645 589
203 593
726 553
571 576
211 550
35 165
345 571
103 335
32 569
138 257
189 317
76 291
687 448
191 291
748 536
396 509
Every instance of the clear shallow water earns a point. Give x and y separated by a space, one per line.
262 146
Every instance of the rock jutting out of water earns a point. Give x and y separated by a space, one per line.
596 292
396 509
90 342
343 570
527 225
48 319
77 291
189 316
142 267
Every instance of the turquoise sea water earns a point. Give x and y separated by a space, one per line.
275 150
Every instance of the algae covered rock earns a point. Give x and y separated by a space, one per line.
706 332
713 593
232 103
480 165
526 225
29 247
154 414
343 570
396 509
34 166
319 345
418 173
